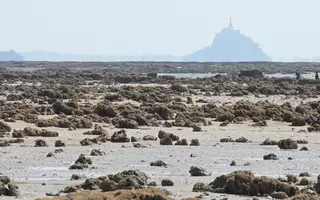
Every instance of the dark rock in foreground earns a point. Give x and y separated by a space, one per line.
269 142
287 144
40 143
245 183
270 157
97 152
198 171
120 137
81 163
167 182
158 163
7 188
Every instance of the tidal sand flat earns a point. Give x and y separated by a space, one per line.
73 133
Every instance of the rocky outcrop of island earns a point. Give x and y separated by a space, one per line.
10 56
229 45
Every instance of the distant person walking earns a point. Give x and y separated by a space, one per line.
297 76
317 76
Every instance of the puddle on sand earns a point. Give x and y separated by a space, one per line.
49 168
36 179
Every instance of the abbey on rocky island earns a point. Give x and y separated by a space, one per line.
229 45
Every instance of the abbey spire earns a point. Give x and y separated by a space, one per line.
229 45
230 23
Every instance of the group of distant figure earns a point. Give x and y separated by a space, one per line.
298 76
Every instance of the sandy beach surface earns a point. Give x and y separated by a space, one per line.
29 167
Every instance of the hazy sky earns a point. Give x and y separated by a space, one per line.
283 28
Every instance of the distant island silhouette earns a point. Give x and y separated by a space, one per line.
229 46
10 56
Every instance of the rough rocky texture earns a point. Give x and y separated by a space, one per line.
226 140
302 141
198 171
120 136
77 177
251 73
245 183
291 178
127 124
304 181
304 174
201 187
304 149
31 132
4 143
58 151
158 163
182 142
143 194
59 143
287 144
305 197
166 183
4 127
40 143
162 135
98 130
81 163
270 157
104 110
197 128
100 139
97 152
86 142
18 134
166 141
298 121
7 188
260 123
149 138
241 140
47 133
49 155
138 145
4 179
134 139
131 179
194 142
16 141
269 142
279 195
